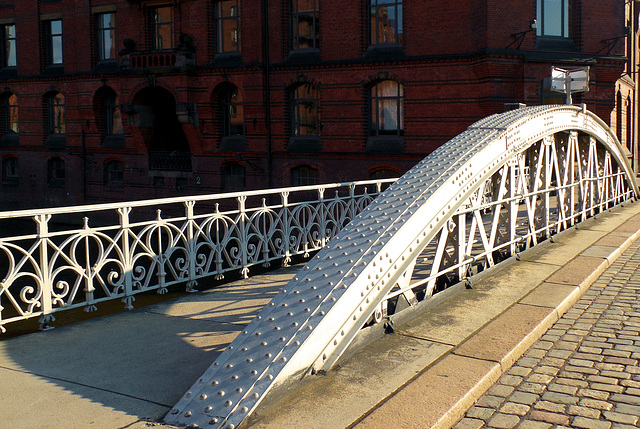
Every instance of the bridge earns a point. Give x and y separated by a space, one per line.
507 184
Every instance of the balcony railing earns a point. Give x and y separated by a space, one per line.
149 60
115 251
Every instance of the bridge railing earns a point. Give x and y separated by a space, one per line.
62 258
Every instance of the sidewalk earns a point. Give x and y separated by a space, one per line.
128 369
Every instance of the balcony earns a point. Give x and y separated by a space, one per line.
148 60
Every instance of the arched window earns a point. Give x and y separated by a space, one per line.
114 173
56 114
304 111
108 116
304 175
56 172
9 118
10 170
233 177
386 109
384 173
233 112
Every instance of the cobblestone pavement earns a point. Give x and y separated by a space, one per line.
584 371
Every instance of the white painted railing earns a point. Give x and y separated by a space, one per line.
62 258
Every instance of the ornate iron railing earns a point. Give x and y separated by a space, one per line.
118 250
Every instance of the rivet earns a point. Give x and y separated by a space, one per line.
203 397
207 409
221 393
306 310
255 395
294 324
268 355
275 329
239 390
244 410
187 414
301 301
228 403
263 343
213 421
229 366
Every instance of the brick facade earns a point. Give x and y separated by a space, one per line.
455 61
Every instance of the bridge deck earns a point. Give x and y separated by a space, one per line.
128 369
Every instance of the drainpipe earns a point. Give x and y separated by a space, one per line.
266 84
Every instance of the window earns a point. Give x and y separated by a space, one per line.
553 18
227 27
56 121
386 22
10 170
55 172
106 29
8 53
304 111
113 116
304 18
53 31
114 173
233 176
386 109
233 116
9 115
304 175
162 24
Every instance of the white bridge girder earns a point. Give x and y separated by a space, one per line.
310 323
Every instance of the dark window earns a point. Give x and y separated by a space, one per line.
233 117
304 16
106 36
385 21
56 121
227 26
55 172
386 109
304 175
114 173
233 176
53 31
384 173
304 111
9 114
113 115
10 170
162 24
8 45
553 18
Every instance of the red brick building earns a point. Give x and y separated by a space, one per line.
129 99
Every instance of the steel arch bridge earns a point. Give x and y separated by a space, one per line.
505 184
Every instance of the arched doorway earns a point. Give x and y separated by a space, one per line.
155 111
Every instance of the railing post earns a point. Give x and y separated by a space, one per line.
191 247
88 270
42 221
286 228
322 221
127 263
244 236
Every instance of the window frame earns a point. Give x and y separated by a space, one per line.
156 28
228 105
222 23
375 100
9 125
234 176
52 51
375 32
56 123
565 19
114 177
296 14
10 163
56 172
297 101
101 31
9 41
304 175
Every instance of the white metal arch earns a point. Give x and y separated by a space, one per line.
310 323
